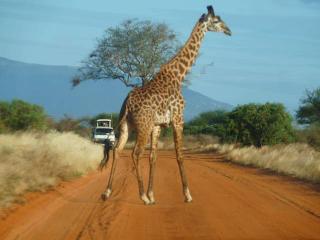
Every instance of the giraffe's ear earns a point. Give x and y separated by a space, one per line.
203 18
210 10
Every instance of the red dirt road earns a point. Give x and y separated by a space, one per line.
230 202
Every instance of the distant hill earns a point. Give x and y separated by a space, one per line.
50 87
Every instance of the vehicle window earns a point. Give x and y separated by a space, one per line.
103 124
102 131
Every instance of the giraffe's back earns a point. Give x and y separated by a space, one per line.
152 105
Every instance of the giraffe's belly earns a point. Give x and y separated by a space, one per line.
163 119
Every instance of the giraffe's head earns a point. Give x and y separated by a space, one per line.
214 23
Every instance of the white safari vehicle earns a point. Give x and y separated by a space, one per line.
103 131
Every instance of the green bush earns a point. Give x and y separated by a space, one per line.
208 123
209 118
259 124
69 124
19 115
310 135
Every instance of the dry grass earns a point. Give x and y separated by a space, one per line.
298 160
194 142
190 142
34 162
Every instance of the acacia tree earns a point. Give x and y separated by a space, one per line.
131 52
309 111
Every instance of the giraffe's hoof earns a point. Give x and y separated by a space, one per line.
151 198
104 196
187 195
145 199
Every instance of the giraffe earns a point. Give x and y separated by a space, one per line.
159 104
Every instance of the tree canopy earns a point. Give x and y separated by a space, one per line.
131 52
309 111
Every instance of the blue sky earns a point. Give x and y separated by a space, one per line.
273 55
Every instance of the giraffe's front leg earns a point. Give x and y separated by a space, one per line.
153 157
178 140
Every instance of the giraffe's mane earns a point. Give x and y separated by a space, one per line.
195 28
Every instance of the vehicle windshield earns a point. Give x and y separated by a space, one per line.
104 124
103 131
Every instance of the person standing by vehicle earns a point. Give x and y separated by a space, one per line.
107 147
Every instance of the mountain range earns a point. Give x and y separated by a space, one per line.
50 87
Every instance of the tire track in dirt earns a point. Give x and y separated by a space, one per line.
278 195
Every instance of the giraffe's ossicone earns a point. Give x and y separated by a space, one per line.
160 104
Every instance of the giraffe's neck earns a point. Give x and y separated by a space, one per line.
182 62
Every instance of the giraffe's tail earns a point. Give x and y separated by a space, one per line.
123 113
123 138
122 127
121 142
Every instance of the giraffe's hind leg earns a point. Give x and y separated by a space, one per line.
123 137
153 157
142 138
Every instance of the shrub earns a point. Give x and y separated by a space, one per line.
19 115
208 123
310 135
259 124
69 124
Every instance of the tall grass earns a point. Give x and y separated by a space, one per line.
34 162
298 160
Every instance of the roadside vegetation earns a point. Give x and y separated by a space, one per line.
297 159
250 124
33 161
262 135
19 115
37 152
